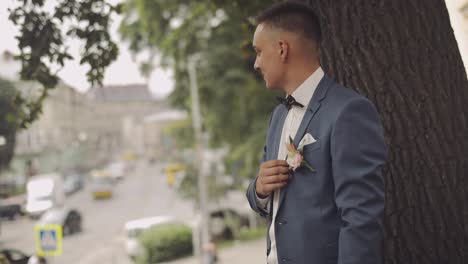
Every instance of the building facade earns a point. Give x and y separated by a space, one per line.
81 130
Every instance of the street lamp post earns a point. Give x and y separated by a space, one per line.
202 190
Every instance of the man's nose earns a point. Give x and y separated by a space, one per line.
256 67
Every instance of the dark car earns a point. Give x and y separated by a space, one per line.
69 219
10 211
11 208
17 257
226 223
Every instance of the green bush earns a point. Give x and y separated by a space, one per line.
252 234
165 242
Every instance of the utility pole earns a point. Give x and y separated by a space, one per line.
199 141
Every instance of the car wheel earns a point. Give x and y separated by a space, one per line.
66 231
14 215
76 228
18 213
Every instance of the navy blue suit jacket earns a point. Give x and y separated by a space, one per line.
333 215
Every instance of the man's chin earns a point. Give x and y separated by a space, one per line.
271 87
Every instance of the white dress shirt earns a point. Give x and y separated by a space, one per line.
303 94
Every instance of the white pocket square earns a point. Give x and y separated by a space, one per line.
306 140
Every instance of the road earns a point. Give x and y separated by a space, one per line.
142 193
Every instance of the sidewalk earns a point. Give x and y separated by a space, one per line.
242 252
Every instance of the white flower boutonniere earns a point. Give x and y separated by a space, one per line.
295 157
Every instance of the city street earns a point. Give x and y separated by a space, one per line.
142 193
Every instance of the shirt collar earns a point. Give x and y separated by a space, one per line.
306 90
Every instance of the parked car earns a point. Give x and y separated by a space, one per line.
117 170
102 186
14 256
134 228
224 223
69 219
73 183
175 173
44 192
10 184
12 207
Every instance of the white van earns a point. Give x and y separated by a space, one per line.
134 228
42 193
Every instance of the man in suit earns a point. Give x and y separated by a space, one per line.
331 212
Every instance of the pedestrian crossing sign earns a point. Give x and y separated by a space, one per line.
48 240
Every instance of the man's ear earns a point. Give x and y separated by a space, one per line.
283 50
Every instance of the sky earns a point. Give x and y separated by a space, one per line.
123 71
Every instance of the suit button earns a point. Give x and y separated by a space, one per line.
284 260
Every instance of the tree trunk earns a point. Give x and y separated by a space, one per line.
9 114
7 150
403 56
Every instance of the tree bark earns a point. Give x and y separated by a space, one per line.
7 150
8 123
403 56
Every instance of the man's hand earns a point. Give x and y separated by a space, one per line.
273 175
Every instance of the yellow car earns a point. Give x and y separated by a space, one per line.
102 187
171 169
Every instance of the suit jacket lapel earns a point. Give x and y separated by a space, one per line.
314 105
278 130
312 108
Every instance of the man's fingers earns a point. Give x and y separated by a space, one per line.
274 175
275 186
275 163
275 179
275 171
266 189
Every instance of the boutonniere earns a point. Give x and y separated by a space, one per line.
295 157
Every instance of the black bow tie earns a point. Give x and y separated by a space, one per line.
289 102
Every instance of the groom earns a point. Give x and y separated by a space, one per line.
330 208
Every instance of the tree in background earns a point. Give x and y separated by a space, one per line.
12 118
235 105
401 54
43 35
43 52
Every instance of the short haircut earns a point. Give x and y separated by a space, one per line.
291 16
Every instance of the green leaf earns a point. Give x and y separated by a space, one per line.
41 40
176 29
304 163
